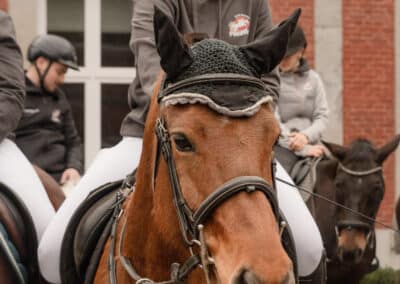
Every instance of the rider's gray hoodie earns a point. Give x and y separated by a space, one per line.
302 105
12 82
235 21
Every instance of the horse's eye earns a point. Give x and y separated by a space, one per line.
182 143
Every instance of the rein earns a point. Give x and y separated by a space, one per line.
337 204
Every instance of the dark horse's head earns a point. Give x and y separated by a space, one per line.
359 186
212 123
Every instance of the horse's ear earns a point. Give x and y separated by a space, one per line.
338 151
265 54
174 52
387 149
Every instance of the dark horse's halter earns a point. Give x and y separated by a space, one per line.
352 223
191 222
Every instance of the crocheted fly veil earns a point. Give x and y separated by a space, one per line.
224 77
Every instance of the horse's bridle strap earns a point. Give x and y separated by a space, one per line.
188 220
359 173
244 183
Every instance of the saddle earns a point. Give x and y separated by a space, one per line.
18 241
88 231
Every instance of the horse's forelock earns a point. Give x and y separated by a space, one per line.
361 150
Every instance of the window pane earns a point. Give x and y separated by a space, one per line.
115 33
114 107
65 18
75 96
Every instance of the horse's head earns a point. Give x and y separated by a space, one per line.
359 186
215 129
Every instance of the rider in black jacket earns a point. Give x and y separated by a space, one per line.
46 133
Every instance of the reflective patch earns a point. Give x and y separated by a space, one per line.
31 110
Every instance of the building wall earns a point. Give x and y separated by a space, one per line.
25 16
368 80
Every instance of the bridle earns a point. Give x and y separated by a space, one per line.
356 224
191 222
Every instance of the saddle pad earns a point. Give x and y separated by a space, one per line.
84 231
19 232
8 249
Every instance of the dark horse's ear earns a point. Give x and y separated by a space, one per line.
338 151
387 149
265 54
174 52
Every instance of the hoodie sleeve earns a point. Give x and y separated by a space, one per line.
12 83
320 113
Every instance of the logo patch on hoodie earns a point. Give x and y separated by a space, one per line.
55 116
240 26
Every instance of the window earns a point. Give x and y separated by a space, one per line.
114 107
100 32
115 33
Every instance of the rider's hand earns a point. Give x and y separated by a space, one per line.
70 174
315 150
4 5
297 141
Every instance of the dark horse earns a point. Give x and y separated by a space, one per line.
207 137
354 178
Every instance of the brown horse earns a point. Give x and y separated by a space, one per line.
353 179
203 164
19 232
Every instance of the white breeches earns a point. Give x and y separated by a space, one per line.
306 235
18 174
110 164
115 163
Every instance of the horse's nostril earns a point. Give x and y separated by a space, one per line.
246 276
351 256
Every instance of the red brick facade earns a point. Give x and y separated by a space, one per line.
282 9
368 80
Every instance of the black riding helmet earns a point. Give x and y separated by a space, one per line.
54 48
296 41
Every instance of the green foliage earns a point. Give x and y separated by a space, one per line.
382 276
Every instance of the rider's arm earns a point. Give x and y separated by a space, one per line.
142 41
12 83
284 140
320 113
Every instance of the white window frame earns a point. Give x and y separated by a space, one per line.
92 75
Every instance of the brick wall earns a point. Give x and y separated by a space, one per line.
282 9
368 80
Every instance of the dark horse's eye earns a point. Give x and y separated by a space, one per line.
182 143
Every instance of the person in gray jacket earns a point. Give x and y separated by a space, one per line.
302 106
235 21
16 171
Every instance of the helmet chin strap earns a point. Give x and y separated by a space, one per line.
43 76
